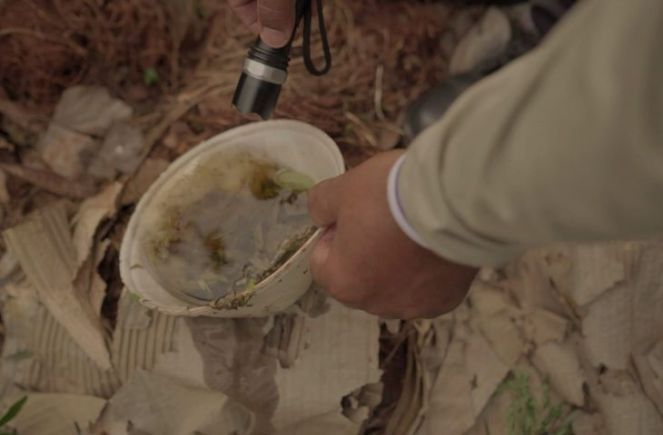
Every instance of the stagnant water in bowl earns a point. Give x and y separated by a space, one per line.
238 219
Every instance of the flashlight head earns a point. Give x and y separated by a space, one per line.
265 70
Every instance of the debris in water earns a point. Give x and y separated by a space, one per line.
233 221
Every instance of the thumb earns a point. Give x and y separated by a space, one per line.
277 21
324 201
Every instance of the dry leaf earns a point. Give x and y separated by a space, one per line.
56 414
9 269
158 405
650 371
625 408
413 401
389 137
560 364
487 371
89 110
147 173
607 329
120 151
450 410
596 268
17 114
647 331
44 248
181 16
89 285
647 294
493 420
65 151
332 423
232 351
18 311
285 338
131 314
4 194
184 363
50 181
392 325
588 424
90 214
543 326
342 344
497 318
535 279
5 145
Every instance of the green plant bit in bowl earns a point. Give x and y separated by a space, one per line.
262 183
294 181
290 247
242 299
170 232
236 300
215 246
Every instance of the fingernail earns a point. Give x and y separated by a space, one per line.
273 38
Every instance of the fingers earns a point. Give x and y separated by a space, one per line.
246 11
324 201
277 20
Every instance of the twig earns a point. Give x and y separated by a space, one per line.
18 115
50 181
186 103
35 34
377 98
363 131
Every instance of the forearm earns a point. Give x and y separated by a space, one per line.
563 144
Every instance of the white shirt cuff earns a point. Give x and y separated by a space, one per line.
395 204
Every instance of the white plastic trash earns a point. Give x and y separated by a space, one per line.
292 144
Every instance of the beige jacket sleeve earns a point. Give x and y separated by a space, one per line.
564 144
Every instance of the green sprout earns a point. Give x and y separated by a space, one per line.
134 296
151 77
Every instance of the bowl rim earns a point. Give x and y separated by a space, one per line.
127 249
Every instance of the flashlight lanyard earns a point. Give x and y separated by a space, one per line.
266 68
304 10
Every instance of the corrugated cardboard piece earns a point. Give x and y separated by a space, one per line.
53 362
45 250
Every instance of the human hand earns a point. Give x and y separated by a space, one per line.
365 261
274 20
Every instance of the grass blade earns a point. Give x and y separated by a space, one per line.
13 411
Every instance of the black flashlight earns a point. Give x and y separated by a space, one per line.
266 69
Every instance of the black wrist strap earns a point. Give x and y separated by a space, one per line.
308 61
304 12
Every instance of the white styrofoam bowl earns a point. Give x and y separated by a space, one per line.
291 144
